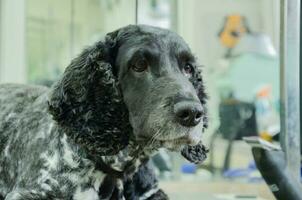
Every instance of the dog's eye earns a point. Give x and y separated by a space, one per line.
188 70
140 65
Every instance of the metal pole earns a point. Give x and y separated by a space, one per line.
136 12
289 83
72 28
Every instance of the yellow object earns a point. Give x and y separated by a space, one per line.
233 29
266 136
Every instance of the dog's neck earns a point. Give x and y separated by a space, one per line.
124 162
128 159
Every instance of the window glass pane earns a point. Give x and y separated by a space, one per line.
56 31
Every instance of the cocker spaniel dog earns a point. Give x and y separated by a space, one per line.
90 135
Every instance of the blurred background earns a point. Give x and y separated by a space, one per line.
237 42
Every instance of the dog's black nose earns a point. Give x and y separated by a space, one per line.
188 113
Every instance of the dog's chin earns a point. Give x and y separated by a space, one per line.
172 144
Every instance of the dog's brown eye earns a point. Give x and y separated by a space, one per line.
140 65
188 70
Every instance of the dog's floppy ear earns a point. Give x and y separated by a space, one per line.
198 153
87 103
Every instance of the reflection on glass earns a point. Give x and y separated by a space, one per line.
56 31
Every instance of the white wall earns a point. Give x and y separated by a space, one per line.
12 41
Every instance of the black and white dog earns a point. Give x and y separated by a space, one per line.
89 137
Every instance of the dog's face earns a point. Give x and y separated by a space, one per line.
161 87
140 81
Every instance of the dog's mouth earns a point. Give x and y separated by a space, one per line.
183 139
177 143
174 144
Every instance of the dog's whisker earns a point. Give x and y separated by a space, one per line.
154 137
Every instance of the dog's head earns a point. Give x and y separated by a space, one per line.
161 85
141 82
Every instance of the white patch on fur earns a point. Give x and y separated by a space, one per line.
98 177
68 154
41 134
10 115
51 162
118 161
137 163
13 195
45 175
46 187
80 177
89 194
148 194
6 151
120 184
117 165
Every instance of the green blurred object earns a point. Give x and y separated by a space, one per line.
248 72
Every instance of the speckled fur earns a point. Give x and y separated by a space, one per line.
37 160
75 140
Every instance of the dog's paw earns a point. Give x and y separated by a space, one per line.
195 154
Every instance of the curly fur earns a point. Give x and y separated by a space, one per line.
90 135
88 94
